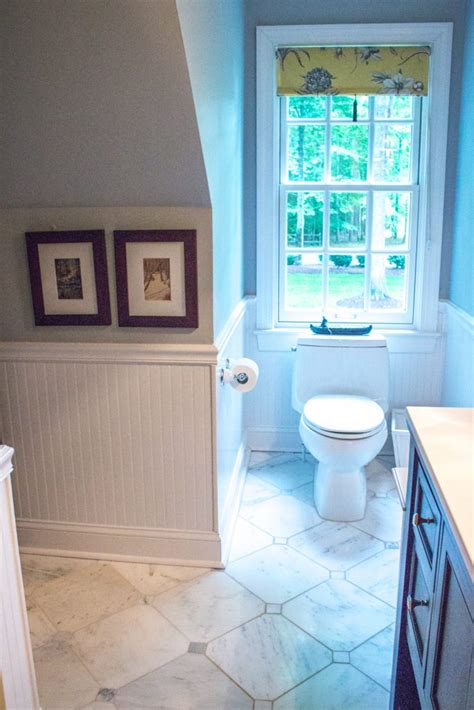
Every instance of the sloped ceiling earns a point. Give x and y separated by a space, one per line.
97 106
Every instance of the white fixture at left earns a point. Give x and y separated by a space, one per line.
16 659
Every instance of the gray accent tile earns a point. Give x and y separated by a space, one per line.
341 657
197 647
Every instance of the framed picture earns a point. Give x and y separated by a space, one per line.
156 273
69 279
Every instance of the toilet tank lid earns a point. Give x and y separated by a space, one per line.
372 340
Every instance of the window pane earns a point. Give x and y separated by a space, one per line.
346 282
307 107
306 153
349 153
305 219
348 219
304 281
393 107
388 282
343 107
392 153
390 220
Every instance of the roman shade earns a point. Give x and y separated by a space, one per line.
352 71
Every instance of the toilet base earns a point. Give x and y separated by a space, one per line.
340 495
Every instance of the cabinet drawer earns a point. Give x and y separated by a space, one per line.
418 604
426 520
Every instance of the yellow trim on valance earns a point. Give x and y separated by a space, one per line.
303 71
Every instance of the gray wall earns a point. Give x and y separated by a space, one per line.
98 108
297 12
98 130
216 70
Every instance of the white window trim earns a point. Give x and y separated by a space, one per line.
428 261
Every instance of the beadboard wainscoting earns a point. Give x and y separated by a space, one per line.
458 372
114 449
416 363
232 455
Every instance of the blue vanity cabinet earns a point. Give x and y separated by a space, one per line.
433 666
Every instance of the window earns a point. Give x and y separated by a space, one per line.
350 213
348 198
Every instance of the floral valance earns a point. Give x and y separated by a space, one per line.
352 70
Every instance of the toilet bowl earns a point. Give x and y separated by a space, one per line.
343 433
340 388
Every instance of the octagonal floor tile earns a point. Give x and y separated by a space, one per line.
256 491
84 596
247 539
282 516
124 646
339 614
208 606
337 546
287 474
380 477
374 657
379 575
277 573
190 682
383 519
339 686
268 656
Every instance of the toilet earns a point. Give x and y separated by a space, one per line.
340 388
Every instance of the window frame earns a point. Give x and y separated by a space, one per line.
294 317
431 172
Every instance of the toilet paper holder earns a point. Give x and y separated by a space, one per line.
241 374
226 375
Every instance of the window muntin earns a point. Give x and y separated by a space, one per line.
348 207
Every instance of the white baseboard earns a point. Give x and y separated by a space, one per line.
268 438
106 542
234 496
286 439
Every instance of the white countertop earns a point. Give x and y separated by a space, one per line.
445 436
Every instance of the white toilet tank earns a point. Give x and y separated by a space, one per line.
353 365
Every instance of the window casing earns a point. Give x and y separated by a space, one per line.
427 205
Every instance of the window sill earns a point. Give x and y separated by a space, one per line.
399 341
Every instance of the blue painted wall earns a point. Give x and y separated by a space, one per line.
213 34
461 290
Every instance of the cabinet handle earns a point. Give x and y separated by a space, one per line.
418 520
412 603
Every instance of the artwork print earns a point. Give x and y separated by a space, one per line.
68 278
156 279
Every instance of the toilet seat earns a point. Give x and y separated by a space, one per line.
343 416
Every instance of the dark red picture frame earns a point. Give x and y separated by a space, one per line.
188 237
97 239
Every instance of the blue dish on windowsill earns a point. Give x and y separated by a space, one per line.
324 329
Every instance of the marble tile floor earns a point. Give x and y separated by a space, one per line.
301 619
